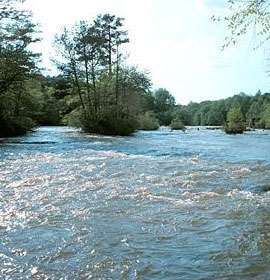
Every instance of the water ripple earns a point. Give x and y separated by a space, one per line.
158 205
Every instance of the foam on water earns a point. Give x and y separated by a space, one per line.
158 205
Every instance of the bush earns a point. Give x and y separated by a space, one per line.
165 118
74 118
177 124
25 123
110 126
15 126
148 121
235 121
106 125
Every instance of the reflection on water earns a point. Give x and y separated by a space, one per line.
157 205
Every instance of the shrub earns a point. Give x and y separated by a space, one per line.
105 125
148 121
15 126
74 118
177 124
110 126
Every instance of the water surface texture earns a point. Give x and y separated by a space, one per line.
156 205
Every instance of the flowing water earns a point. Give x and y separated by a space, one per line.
156 205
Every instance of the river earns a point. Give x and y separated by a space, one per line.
156 205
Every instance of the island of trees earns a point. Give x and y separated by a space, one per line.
95 88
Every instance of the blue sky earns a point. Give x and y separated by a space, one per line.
174 40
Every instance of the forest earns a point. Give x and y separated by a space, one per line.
96 89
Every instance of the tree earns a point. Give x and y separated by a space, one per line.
164 100
110 29
17 64
235 121
17 33
164 106
65 47
254 114
110 93
181 113
266 117
216 115
177 124
47 104
148 121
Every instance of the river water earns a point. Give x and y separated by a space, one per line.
156 205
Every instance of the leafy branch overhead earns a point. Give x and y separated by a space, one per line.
245 16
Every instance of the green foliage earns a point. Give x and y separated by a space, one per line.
74 118
235 121
109 94
15 126
109 34
254 115
148 121
214 113
110 126
177 124
244 16
209 113
43 106
96 89
265 120
162 103
17 65
164 106
180 112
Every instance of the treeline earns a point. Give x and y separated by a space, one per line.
96 89
253 110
